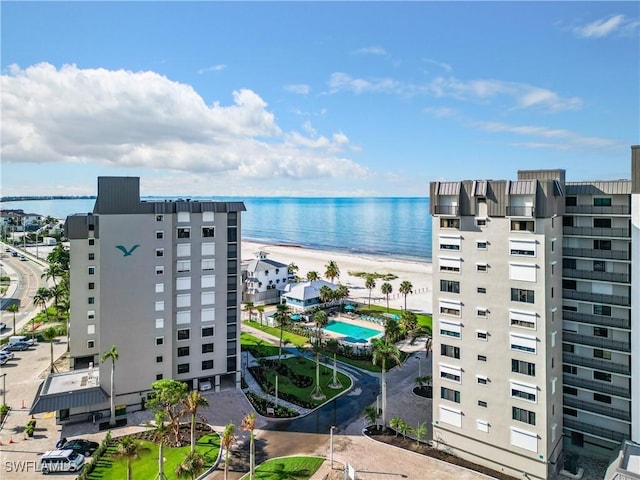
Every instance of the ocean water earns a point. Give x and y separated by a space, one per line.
396 227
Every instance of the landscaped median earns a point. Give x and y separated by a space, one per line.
287 468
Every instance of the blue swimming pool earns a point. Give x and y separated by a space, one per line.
353 333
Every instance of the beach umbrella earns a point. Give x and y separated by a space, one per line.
395 316
295 317
349 307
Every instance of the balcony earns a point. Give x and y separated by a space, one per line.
591 253
596 232
623 300
591 275
598 342
601 432
600 409
520 211
598 320
596 386
450 210
593 210
596 363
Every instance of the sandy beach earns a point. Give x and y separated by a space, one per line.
416 272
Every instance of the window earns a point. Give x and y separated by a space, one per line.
207 281
599 266
92 285
449 351
91 344
482 380
183 368
207 331
522 319
449 223
602 223
600 332
482 358
449 394
183 300
604 354
571 201
207 315
91 329
522 415
449 246
159 340
482 425
482 403
481 267
91 314
481 290
183 283
567 221
450 286
159 359
159 287
159 306
598 397
208 232
159 322
92 241
525 392
481 245
522 247
602 376
481 312
602 202
450 329
208 264
159 218
449 264
159 376
602 244
447 375
570 412
450 308
522 295
525 368
92 256
523 343
208 249
570 369
482 335
569 263
568 347
184 232
207 347
570 391
207 298
159 234
91 270
603 310
183 266
159 252
91 300
183 351
522 226
481 222
184 334
207 365
159 270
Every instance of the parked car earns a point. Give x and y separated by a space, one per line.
7 249
3 360
7 353
2 326
79 445
55 461
23 258
17 347
14 254
23 339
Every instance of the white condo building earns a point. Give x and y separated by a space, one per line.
536 327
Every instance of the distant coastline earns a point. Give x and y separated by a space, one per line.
26 198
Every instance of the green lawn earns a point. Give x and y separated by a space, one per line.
287 337
288 468
258 347
146 467
423 319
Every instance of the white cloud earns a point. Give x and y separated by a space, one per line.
144 120
300 89
444 66
607 26
370 51
213 68
340 81
441 112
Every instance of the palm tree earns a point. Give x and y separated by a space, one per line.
283 317
311 276
192 464
386 290
130 450
249 425
260 310
57 293
408 321
332 346
392 329
371 414
13 308
396 423
326 294
370 283
192 402
383 351
49 335
248 307
341 292
406 288
427 346
292 269
40 300
55 270
332 271
112 355
317 393
226 440
320 318
160 429
420 432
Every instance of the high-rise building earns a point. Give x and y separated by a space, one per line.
535 322
160 280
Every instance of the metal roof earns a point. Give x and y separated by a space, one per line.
603 187
479 188
59 401
523 187
448 188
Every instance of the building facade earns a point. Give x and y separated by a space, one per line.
536 328
264 279
160 280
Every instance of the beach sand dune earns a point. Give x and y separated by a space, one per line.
416 272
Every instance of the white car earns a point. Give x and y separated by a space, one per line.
7 353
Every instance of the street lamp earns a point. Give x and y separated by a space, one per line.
333 427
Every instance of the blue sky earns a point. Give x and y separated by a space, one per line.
314 99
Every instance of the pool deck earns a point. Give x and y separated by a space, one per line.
356 321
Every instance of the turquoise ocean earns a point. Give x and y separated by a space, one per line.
396 227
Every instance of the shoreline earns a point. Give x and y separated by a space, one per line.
419 273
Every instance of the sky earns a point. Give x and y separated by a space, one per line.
327 99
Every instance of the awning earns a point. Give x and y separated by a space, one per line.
60 401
